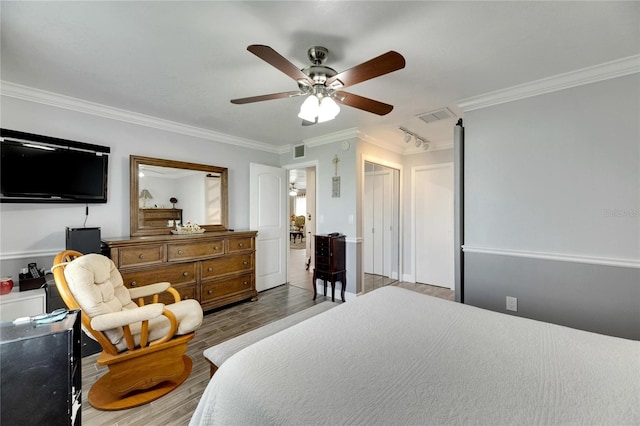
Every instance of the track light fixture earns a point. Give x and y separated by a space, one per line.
419 140
407 136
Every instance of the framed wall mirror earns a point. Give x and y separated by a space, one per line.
166 193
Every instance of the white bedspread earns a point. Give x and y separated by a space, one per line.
394 356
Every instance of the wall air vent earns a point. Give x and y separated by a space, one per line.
437 115
298 151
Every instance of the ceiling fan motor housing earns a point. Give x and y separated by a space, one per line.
318 54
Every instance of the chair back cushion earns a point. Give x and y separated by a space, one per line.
97 286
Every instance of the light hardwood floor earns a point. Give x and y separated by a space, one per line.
177 407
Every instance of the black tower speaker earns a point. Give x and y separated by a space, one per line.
84 240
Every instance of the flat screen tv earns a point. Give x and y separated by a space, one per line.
43 169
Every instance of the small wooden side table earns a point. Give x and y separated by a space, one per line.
330 263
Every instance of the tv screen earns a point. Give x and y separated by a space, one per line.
46 171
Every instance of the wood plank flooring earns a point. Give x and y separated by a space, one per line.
177 407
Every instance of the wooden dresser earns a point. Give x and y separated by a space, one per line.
158 217
214 268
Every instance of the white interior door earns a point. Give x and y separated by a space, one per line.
268 211
433 215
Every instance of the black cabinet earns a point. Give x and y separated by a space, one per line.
88 346
40 369
330 263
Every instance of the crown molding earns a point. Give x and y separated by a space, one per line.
593 74
340 136
31 94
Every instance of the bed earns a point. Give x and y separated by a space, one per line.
393 356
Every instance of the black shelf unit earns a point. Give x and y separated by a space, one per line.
330 263
41 368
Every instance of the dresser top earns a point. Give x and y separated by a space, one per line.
112 241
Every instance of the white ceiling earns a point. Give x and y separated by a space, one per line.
183 61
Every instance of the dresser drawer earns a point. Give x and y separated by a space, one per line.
140 255
239 244
194 250
184 273
323 263
226 265
214 290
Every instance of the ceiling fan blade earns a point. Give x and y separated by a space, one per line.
266 97
383 64
363 103
273 58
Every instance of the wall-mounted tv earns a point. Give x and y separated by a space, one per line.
44 169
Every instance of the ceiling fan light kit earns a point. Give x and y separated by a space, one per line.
323 84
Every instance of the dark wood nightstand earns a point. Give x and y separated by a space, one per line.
330 263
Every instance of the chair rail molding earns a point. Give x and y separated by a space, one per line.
593 260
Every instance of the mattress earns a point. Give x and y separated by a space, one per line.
394 356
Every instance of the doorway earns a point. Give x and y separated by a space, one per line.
381 230
301 220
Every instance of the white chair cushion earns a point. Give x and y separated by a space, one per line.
98 288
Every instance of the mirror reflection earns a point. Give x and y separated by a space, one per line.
167 194
196 196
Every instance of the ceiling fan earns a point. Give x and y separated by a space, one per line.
324 85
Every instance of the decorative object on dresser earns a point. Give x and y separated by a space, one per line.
143 341
41 372
144 196
214 268
330 263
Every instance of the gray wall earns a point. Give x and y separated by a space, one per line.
551 206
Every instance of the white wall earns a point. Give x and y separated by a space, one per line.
32 230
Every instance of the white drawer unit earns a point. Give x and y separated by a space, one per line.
22 304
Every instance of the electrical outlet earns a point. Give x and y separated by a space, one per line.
512 304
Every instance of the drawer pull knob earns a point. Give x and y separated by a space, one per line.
180 252
245 283
185 274
133 284
141 256
240 244
185 297
209 269
216 248
210 292
245 263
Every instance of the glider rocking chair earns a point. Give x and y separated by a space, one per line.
143 345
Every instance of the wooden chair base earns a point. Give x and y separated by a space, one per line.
102 397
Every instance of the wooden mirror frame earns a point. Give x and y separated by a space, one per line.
134 189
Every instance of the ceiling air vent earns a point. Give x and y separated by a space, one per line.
437 115
298 151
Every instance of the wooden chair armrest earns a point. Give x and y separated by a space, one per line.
172 330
